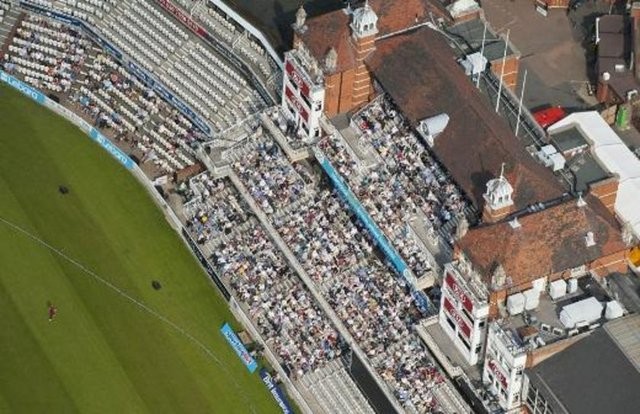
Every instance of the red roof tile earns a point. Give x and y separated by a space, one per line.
332 29
547 242
418 70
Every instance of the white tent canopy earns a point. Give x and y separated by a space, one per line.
587 311
615 157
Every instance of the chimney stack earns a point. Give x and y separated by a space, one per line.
635 13
635 34
602 93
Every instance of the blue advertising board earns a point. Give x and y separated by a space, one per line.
383 244
276 391
237 346
111 148
25 89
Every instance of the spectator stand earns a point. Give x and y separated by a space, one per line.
229 35
341 263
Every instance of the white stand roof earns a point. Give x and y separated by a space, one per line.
614 156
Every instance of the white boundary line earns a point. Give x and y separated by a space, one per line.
141 305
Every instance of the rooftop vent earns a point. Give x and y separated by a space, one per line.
430 128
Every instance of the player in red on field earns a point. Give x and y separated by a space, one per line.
53 311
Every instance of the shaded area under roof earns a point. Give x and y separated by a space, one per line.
591 376
275 17
419 72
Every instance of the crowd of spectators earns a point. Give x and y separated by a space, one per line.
47 53
406 158
376 307
277 301
215 208
272 181
386 198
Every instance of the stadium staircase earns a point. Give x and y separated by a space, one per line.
8 22
334 391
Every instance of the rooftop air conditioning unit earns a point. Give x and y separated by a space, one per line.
590 239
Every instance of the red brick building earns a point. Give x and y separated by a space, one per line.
341 41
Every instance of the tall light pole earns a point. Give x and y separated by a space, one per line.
484 38
504 60
524 84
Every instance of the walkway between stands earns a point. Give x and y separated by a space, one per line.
295 265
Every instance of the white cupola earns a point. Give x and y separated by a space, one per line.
499 192
301 18
365 21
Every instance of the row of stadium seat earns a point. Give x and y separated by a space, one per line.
377 308
195 74
280 306
5 6
54 57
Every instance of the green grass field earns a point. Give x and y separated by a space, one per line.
103 353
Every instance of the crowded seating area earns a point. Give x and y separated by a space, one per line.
275 298
277 301
420 184
214 208
337 254
375 306
272 181
386 199
48 54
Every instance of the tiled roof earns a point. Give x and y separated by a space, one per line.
549 241
332 29
396 15
418 70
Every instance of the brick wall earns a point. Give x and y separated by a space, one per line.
540 354
511 69
606 191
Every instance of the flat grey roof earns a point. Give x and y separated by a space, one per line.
471 31
568 139
586 170
626 333
591 376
